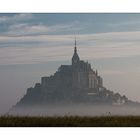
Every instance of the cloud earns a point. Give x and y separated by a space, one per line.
44 48
4 19
15 18
25 29
21 29
128 23
16 55
23 16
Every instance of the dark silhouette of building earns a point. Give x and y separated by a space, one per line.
75 83
78 75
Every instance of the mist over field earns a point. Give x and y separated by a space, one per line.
76 110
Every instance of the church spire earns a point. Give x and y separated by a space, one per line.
75 49
75 57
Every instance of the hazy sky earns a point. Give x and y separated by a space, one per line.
35 45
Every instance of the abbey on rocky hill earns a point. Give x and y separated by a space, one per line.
75 83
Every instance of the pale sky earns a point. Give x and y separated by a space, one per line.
35 45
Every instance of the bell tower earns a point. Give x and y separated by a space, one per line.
75 58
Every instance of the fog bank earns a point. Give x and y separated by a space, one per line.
76 110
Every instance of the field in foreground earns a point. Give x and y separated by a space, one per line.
70 121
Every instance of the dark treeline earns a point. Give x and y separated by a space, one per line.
70 121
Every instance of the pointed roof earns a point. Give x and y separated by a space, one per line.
75 49
75 55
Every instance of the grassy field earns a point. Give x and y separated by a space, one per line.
71 121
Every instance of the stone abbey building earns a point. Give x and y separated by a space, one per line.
70 84
78 75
